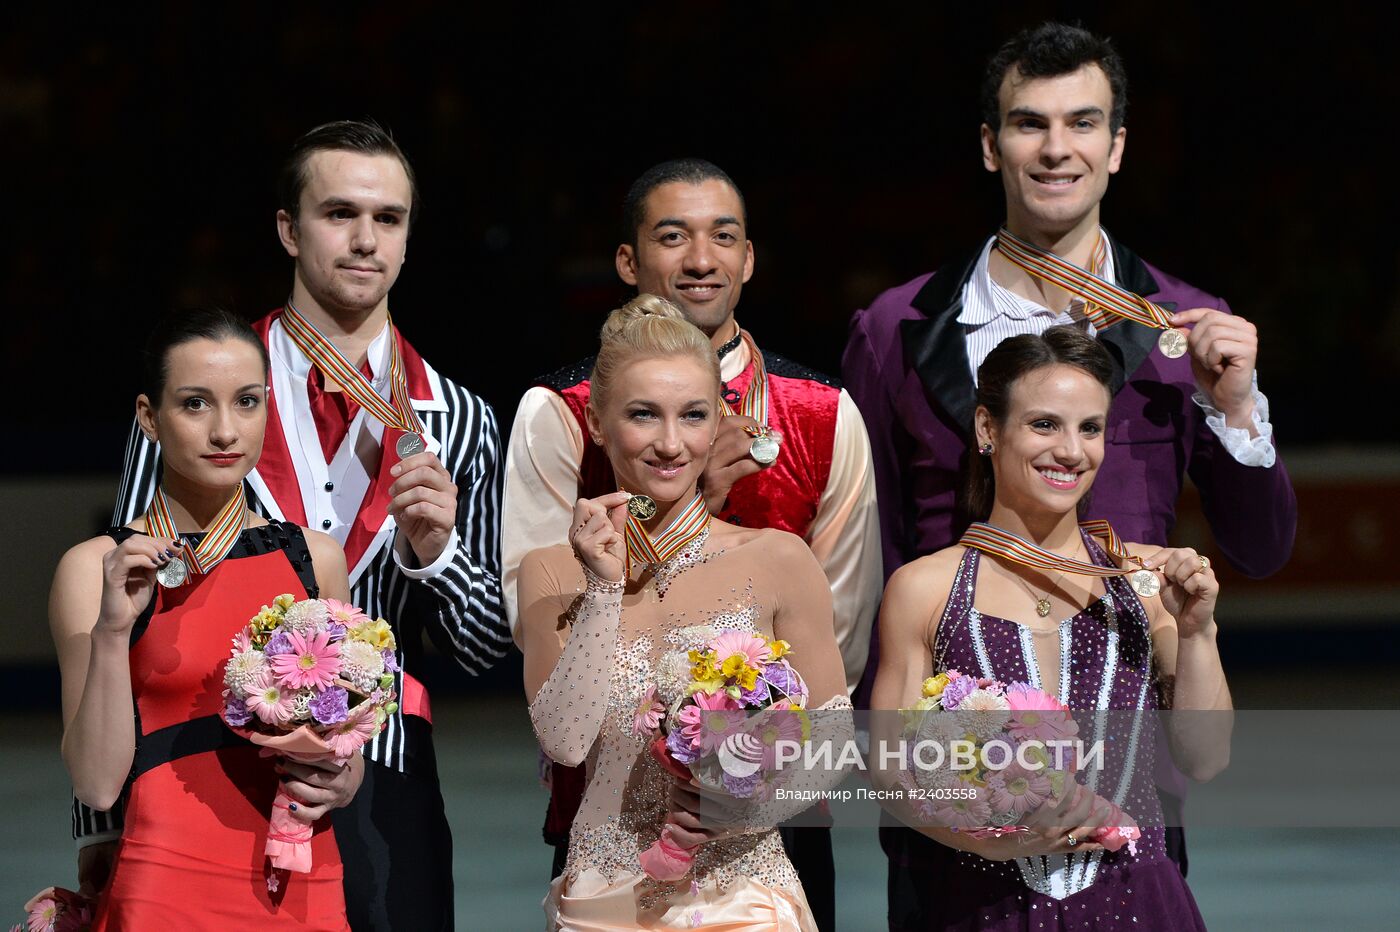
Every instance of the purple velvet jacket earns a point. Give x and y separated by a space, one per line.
906 367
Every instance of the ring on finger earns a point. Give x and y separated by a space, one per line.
1071 840
1205 562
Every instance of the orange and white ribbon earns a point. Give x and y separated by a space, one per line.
654 551
1105 302
993 540
217 542
333 365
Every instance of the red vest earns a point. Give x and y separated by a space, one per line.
802 404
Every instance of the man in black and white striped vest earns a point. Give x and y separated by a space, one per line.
408 479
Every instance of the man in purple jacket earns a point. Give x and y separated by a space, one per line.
1053 102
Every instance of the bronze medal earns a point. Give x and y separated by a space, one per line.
641 507
1172 343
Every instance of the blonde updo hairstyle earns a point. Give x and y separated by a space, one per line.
647 327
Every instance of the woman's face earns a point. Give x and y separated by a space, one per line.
657 425
1046 454
212 411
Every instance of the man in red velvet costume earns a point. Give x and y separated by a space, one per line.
685 239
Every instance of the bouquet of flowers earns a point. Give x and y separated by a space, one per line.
311 680
743 697
56 910
1020 744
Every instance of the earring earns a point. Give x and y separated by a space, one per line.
985 449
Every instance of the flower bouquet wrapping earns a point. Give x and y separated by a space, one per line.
56 910
1019 756
311 680
742 698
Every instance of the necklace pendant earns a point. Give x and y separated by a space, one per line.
1042 607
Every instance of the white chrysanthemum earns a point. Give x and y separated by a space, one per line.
243 668
306 616
301 703
695 637
361 664
672 676
983 713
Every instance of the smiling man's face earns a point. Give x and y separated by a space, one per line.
692 249
1055 150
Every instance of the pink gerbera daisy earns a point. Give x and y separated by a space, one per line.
776 726
350 735
1037 715
751 647
712 719
1017 790
345 613
649 712
964 813
313 661
269 700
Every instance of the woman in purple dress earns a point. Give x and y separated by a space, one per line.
1042 405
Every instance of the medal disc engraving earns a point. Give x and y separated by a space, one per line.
641 507
1145 583
173 574
764 449
408 445
1172 343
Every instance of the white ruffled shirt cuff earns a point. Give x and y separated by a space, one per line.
1247 450
403 553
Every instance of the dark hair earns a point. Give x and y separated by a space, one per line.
181 327
1012 360
363 136
1050 50
691 171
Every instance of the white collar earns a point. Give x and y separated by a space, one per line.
984 300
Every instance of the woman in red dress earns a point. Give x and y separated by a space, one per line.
141 654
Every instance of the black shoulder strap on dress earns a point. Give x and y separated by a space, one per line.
288 538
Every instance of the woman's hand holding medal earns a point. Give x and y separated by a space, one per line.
1190 589
128 578
596 535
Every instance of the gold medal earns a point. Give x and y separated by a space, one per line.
641 507
1145 583
1172 343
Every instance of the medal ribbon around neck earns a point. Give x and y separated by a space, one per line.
217 542
333 365
754 404
989 539
1098 294
688 525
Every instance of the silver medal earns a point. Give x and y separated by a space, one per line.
1172 343
173 574
1145 583
764 449
409 444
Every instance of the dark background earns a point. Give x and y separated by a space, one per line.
143 149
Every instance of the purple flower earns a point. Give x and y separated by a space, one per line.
391 663
279 643
757 697
236 712
681 749
956 691
336 630
784 680
741 787
331 707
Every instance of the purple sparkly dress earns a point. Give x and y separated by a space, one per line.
1105 663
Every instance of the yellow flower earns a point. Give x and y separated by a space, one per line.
778 649
284 601
735 667
375 633
934 685
703 665
267 619
709 686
